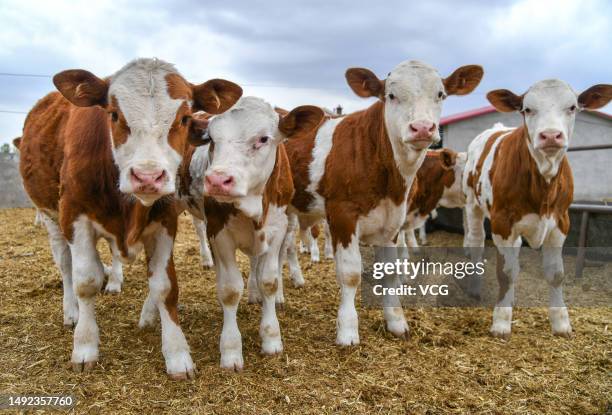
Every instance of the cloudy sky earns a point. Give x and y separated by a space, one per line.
293 53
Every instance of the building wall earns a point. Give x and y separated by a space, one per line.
591 168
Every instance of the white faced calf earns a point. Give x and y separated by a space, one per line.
521 180
248 186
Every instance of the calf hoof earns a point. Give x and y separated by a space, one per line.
112 288
399 329
80 367
298 281
271 347
147 323
347 338
207 264
280 306
503 334
568 334
254 298
70 322
180 366
232 361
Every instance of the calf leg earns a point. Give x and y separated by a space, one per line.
348 275
423 234
252 288
268 277
313 246
507 272
114 274
552 263
329 250
229 290
88 275
163 293
205 255
295 272
392 308
401 238
63 261
474 239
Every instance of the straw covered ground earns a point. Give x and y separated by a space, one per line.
449 365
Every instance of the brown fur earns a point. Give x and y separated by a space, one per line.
432 178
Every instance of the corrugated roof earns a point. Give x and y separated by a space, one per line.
489 109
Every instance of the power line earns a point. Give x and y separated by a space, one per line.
13 112
25 75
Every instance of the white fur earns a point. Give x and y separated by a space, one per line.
322 147
141 91
205 255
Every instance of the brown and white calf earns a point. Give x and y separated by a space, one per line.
438 183
100 160
241 181
356 170
521 180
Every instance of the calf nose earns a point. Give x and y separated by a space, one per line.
219 183
148 180
551 138
422 129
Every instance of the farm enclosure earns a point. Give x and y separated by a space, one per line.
449 365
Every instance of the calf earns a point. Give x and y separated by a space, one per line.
521 180
240 181
356 170
99 159
438 183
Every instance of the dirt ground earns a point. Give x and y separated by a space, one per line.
449 365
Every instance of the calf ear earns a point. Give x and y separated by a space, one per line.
595 97
215 96
300 120
448 158
81 88
464 80
198 132
364 83
505 101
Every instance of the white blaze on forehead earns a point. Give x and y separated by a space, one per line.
550 94
141 91
248 118
239 153
411 78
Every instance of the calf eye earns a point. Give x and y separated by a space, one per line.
114 116
206 138
572 108
185 119
391 96
264 139
441 95
527 110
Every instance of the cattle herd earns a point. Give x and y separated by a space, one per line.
121 157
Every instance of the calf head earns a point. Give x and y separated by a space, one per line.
149 106
243 146
549 110
413 94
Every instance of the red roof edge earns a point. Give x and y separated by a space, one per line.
489 109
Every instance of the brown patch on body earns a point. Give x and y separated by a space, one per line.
432 178
119 127
352 280
230 296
